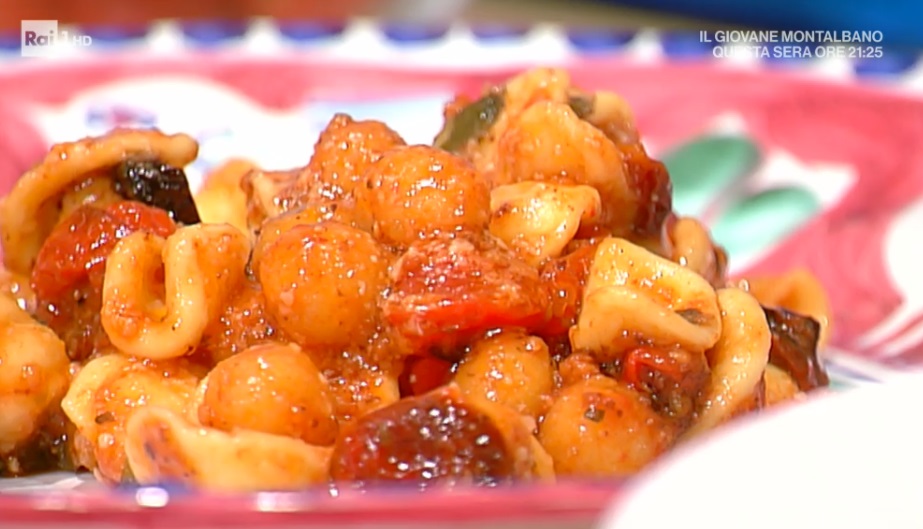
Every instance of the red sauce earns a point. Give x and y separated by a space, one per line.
565 279
423 374
449 289
69 269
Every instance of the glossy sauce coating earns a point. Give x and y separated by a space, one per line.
68 272
447 289
244 323
270 388
600 427
343 152
509 368
322 283
435 438
391 313
419 191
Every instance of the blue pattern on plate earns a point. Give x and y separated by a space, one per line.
309 31
891 63
412 33
497 32
208 33
599 40
685 45
114 34
10 42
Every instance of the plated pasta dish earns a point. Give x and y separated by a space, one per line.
516 302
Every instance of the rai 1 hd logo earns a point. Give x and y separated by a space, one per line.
42 38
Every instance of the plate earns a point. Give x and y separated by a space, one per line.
809 162
849 460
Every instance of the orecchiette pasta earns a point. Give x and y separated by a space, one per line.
693 248
539 219
612 115
161 446
110 389
518 301
797 290
737 361
201 266
28 213
222 198
633 297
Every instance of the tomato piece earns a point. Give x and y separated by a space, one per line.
425 373
449 288
565 278
68 273
435 438
672 378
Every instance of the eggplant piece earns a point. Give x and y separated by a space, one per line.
157 184
794 347
472 122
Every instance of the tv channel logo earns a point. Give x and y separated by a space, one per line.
42 38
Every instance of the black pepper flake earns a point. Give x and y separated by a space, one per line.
594 414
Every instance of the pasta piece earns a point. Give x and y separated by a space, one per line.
110 389
270 388
11 312
780 386
222 200
694 249
162 447
416 192
798 291
34 375
202 266
29 212
542 463
510 368
611 114
97 190
263 190
322 284
737 361
70 269
633 297
19 288
599 427
538 219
